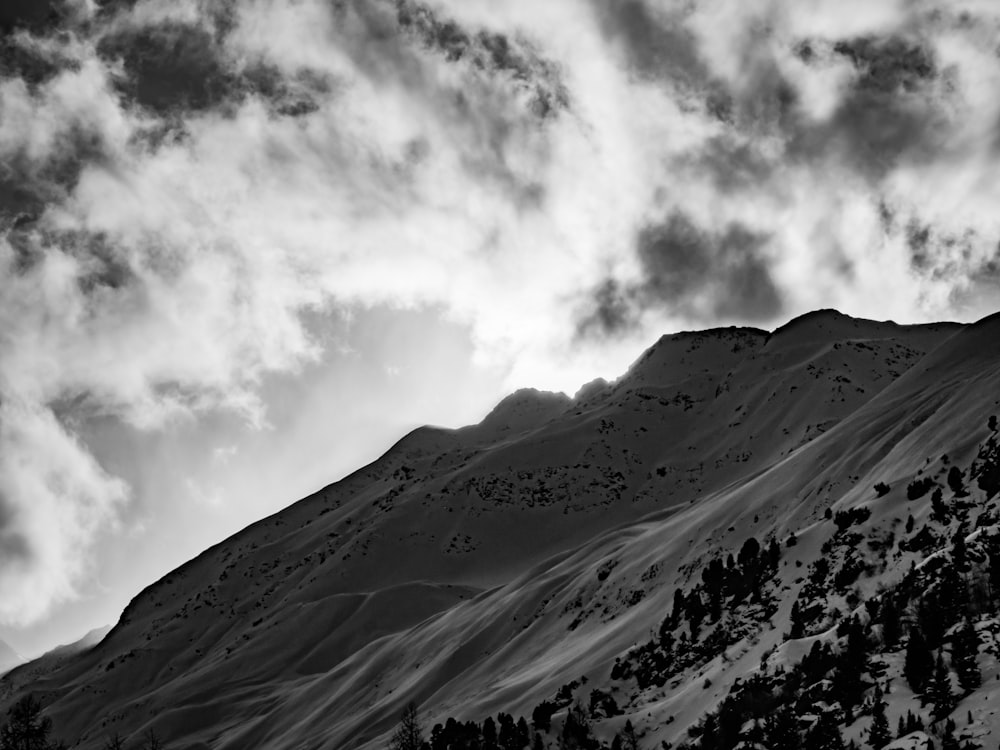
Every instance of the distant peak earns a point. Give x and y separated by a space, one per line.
525 408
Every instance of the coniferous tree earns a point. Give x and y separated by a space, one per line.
825 734
26 727
939 689
489 734
781 730
523 735
918 662
959 551
629 739
939 511
709 733
616 743
408 735
798 623
879 735
576 730
115 742
889 616
847 680
965 651
948 739
956 481
537 743
695 613
541 715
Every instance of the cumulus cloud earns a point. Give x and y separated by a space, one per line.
180 183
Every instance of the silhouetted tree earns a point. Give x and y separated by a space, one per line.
959 551
541 715
939 511
882 489
939 689
152 741
489 734
889 617
26 728
956 481
965 649
825 734
408 735
781 730
115 742
918 663
629 740
948 739
879 735
798 622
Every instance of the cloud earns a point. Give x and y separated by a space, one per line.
54 499
181 184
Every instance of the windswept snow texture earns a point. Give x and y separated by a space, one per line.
478 570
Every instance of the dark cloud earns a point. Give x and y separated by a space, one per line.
656 45
28 185
692 272
21 59
888 64
734 163
891 113
610 310
33 15
684 265
170 66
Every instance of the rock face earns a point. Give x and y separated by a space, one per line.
537 557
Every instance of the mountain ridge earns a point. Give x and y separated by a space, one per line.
466 567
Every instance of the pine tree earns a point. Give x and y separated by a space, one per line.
965 651
948 739
616 743
409 735
847 680
879 735
781 730
537 743
798 624
115 742
918 663
26 727
825 734
889 616
956 481
959 551
939 689
629 739
523 735
489 734
939 511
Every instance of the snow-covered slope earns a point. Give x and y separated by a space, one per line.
479 570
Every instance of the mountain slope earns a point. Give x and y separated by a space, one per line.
478 570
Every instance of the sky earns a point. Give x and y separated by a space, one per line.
245 246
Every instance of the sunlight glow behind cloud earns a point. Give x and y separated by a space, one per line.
568 179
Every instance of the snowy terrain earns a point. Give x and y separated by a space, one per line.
535 559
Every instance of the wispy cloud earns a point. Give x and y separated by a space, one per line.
180 183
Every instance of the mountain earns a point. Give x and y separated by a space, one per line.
737 541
